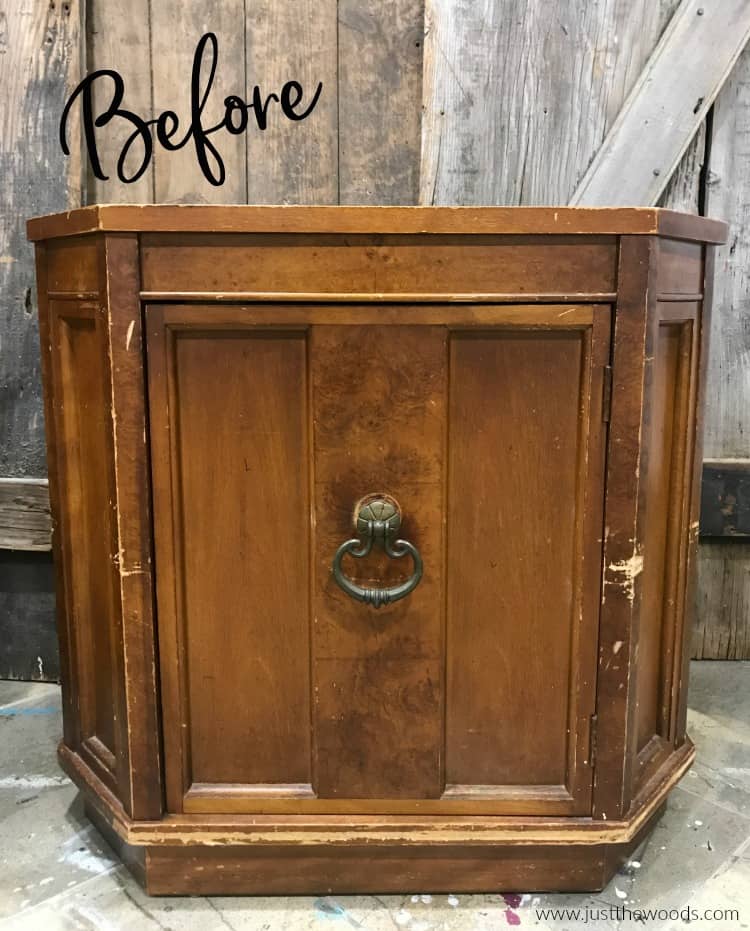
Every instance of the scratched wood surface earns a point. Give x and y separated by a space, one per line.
724 568
515 107
39 65
116 38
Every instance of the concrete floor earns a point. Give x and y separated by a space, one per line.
57 873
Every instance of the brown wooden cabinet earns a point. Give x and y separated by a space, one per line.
489 696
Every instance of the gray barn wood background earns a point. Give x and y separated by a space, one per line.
424 101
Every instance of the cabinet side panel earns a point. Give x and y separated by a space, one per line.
237 409
83 466
513 554
665 467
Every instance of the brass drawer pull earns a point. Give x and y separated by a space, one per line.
378 520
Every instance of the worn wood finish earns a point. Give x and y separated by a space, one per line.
388 264
623 528
213 646
380 86
140 762
292 163
79 387
300 727
667 104
25 522
500 125
513 724
175 28
471 221
723 629
40 63
379 416
119 37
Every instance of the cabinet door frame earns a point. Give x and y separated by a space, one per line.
182 795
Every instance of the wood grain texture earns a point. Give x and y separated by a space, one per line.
175 29
667 104
471 221
119 37
25 522
85 517
140 769
723 608
380 48
215 647
535 486
379 417
516 104
40 62
381 265
684 189
293 162
623 528
723 630
271 413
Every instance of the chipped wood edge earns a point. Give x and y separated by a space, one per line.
357 830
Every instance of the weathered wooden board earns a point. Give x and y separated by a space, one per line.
293 163
40 61
176 28
516 104
683 192
25 522
724 568
723 629
667 105
118 37
380 89
39 65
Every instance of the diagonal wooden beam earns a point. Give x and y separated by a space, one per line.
667 104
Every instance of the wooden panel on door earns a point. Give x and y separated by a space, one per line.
232 521
667 467
524 563
84 516
379 401
485 423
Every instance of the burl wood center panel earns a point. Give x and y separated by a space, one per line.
234 397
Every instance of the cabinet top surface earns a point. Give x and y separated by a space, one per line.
515 221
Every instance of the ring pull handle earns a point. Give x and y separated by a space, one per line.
377 521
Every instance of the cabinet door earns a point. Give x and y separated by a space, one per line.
280 691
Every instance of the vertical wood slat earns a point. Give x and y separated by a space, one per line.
139 730
516 106
624 529
723 628
293 162
118 36
380 87
39 64
176 28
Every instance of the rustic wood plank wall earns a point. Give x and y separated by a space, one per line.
518 97
424 101
40 63
724 567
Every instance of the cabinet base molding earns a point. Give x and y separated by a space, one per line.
318 855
